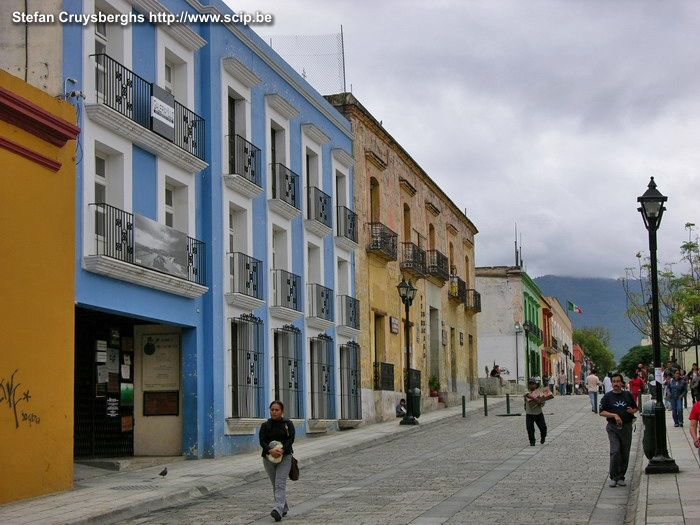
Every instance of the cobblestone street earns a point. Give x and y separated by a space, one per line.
474 470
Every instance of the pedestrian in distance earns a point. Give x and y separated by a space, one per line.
552 383
677 389
635 385
534 401
274 431
562 384
618 407
607 383
694 418
694 383
592 384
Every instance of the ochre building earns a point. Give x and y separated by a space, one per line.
409 228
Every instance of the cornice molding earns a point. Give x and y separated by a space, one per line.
451 228
30 154
315 134
375 159
239 71
432 208
330 113
180 32
26 115
343 157
407 186
280 105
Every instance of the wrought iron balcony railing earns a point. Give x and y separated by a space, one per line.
244 159
117 236
286 289
437 264
348 311
246 366
318 206
320 302
555 343
350 391
285 185
347 223
383 376
245 275
131 95
458 289
473 302
533 330
322 378
382 241
412 259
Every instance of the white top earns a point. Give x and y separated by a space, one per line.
607 385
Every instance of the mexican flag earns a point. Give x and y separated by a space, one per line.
573 308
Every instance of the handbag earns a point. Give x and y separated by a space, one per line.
294 470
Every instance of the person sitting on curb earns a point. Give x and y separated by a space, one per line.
533 412
618 407
401 408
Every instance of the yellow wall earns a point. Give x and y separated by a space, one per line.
37 214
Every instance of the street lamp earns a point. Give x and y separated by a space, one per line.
518 329
652 209
407 292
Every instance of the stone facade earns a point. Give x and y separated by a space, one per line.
393 195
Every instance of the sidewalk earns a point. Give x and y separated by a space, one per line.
121 495
671 498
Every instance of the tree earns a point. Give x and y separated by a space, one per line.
679 296
634 356
594 341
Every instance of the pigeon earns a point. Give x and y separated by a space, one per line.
163 472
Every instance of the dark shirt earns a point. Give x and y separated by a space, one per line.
281 430
617 404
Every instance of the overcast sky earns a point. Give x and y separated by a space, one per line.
549 114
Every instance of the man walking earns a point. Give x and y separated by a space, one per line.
618 407
592 384
607 384
534 401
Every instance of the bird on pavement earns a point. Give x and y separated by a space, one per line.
163 472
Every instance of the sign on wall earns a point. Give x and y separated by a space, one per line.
394 323
160 362
160 247
163 113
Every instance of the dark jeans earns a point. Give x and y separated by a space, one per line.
677 410
620 443
530 421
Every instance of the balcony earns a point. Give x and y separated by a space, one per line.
383 242
555 344
136 249
147 115
346 234
458 290
320 312
437 266
473 302
348 316
318 212
285 192
532 329
412 260
245 281
244 173
383 376
286 296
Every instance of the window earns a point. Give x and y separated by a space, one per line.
169 78
100 195
100 49
246 366
169 206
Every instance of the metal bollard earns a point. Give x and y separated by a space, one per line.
508 404
464 406
486 407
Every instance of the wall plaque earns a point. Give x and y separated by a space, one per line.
161 403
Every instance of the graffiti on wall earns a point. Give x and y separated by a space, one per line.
12 396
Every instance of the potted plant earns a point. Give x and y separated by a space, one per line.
434 386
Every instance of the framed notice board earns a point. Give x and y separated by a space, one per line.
161 403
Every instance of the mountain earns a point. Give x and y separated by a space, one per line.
603 304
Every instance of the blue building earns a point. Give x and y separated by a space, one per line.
216 236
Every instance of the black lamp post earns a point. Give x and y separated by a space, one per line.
518 330
407 292
652 209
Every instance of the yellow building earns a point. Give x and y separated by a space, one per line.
37 213
409 228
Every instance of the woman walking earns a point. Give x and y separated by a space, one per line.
276 439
